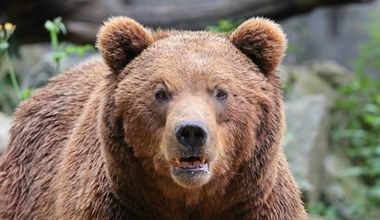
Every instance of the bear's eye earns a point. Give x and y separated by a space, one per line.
221 94
161 95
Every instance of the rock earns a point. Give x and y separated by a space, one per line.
34 64
5 125
38 75
306 141
330 72
313 217
331 32
47 68
284 74
28 56
340 190
304 82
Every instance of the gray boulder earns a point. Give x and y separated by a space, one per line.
35 64
302 81
332 73
47 68
341 190
306 141
5 125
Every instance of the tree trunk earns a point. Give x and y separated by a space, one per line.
83 18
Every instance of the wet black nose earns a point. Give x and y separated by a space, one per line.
192 134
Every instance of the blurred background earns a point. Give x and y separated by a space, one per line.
331 78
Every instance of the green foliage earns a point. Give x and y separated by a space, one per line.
26 93
10 93
78 50
296 52
320 209
55 27
6 31
358 130
61 51
224 26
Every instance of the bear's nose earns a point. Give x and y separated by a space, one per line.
191 134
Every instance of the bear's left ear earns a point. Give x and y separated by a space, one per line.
120 40
262 41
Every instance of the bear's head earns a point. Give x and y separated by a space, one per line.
192 107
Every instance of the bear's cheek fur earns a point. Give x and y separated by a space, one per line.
143 121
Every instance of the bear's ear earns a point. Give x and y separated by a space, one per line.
262 41
120 40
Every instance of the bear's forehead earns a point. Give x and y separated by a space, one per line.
192 58
193 41
195 50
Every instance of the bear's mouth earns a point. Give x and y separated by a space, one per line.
191 164
192 171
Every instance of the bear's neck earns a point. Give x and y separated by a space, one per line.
159 192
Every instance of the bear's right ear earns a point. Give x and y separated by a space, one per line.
262 41
120 40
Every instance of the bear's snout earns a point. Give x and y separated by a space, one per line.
191 134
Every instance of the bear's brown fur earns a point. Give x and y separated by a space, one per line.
170 125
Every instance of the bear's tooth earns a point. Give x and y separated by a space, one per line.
203 160
177 162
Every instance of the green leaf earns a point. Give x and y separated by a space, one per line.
50 26
62 28
371 108
26 94
375 191
370 119
223 26
70 49
4 45
293 48
377 99
58 56
56 26
79 50
351 171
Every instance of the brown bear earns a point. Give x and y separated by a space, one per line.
167 125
